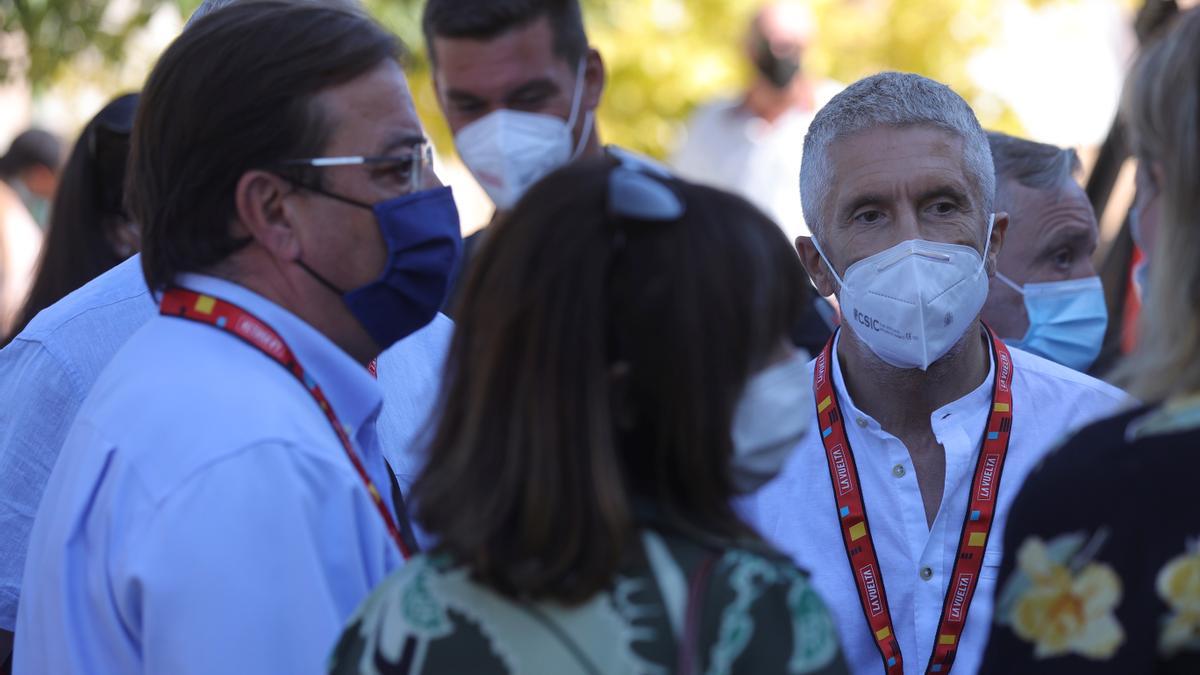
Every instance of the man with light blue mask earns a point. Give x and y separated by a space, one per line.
927 421
519 86
1045 298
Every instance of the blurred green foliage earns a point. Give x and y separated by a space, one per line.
52 33
664 57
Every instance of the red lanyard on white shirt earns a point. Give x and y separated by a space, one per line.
856 533
228 317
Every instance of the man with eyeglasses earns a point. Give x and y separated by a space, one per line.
47 371
222 502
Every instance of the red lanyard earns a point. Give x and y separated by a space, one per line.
226 316
856 533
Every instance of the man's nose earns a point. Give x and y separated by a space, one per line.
908 224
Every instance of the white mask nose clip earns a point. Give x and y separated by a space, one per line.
913 302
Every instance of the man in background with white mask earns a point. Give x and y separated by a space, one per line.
925 420
519 87
1045 297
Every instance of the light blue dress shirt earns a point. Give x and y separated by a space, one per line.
45 373
48 370
203 517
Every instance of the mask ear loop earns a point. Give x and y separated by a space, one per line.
987 243
1010 283
817 245
576 102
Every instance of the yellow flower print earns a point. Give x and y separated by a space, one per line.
1064 612
1178 585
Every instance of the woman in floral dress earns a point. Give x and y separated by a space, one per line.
620 371
1102 567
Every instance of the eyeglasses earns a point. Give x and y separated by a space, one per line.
409 167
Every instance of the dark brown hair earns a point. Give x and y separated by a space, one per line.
487 19
539 455
232 94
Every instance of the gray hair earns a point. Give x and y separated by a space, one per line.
206 8
1035 165
893 100
210 6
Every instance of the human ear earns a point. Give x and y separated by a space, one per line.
815 265
262 213
999 231
594 77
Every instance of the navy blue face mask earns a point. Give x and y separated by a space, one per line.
424 245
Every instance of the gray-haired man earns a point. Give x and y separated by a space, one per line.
1045 297
927 422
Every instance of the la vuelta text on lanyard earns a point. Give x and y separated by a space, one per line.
856 531
226 316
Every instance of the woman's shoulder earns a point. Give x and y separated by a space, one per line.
1116 450
764 616
396 628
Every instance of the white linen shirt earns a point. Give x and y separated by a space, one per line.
202 516
48 370
797 510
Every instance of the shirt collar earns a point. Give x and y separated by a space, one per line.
353 393
963 411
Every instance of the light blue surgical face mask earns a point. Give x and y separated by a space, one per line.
1067 320
1141 271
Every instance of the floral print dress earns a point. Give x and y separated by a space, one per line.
757 614
1102 564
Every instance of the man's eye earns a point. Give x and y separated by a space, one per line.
945 208
869 217
1064 258
400 170
471 108
530 102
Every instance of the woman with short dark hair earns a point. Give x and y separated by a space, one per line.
620 372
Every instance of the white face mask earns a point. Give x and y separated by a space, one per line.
772 416
508 150
914 301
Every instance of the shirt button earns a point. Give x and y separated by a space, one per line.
898 471
926 573
862 422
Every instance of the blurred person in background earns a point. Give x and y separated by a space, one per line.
89 231
596 421
928 422
292 220
28 178
751 144
31 169
519 86
1045 298
1101 571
